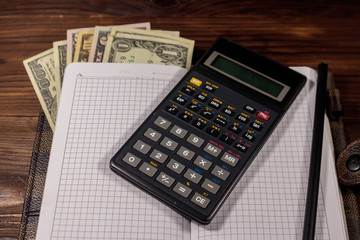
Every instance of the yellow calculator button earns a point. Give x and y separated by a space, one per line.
196 82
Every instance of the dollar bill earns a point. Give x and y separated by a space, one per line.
83 46
71 38
174 33
127 45
101 36
41 71
59 64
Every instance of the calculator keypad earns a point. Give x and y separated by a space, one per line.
196 144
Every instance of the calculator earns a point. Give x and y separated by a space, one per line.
194 147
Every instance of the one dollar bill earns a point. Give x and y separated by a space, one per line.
60 65
41 71
71 37
101 37
83 46
139 46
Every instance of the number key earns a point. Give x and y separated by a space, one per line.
162 122
178 131
175 166
185 153
195 140
142 147
131 159
152 134
168 143
158 156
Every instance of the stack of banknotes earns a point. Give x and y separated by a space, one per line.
131 43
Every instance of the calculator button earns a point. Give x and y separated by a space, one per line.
235 128
220 121
193 107
229 159
152 134
196 82
241 147
158 156
162 122
148 169
249 109
182 190
256 126
226 139
199 124
175 166
215 103
209 88
172 110
202 163
131 159
185 153
195 140
212 131
207 113
220 173
192 176
228 111
249 136
242 119
185 117
165 179
177 131
263 116
213 150
210 186
142 147
201 97
188 90
181 100
200 200
168 143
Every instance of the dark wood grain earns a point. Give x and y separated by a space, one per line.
295 33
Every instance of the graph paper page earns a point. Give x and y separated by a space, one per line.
101 106
269 201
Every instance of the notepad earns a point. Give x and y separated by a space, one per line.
103 104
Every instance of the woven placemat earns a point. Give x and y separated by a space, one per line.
36 181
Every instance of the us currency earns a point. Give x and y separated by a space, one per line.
59 64
101 36
174 33
41 71
71 38
83 46
138 46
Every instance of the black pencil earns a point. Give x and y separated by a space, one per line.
316 151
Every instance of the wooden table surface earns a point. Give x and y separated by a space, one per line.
295 33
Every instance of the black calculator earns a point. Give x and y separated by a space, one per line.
198 142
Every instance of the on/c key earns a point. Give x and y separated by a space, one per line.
263 116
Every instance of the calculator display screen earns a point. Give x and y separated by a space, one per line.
247 76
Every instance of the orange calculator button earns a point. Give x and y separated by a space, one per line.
196 82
